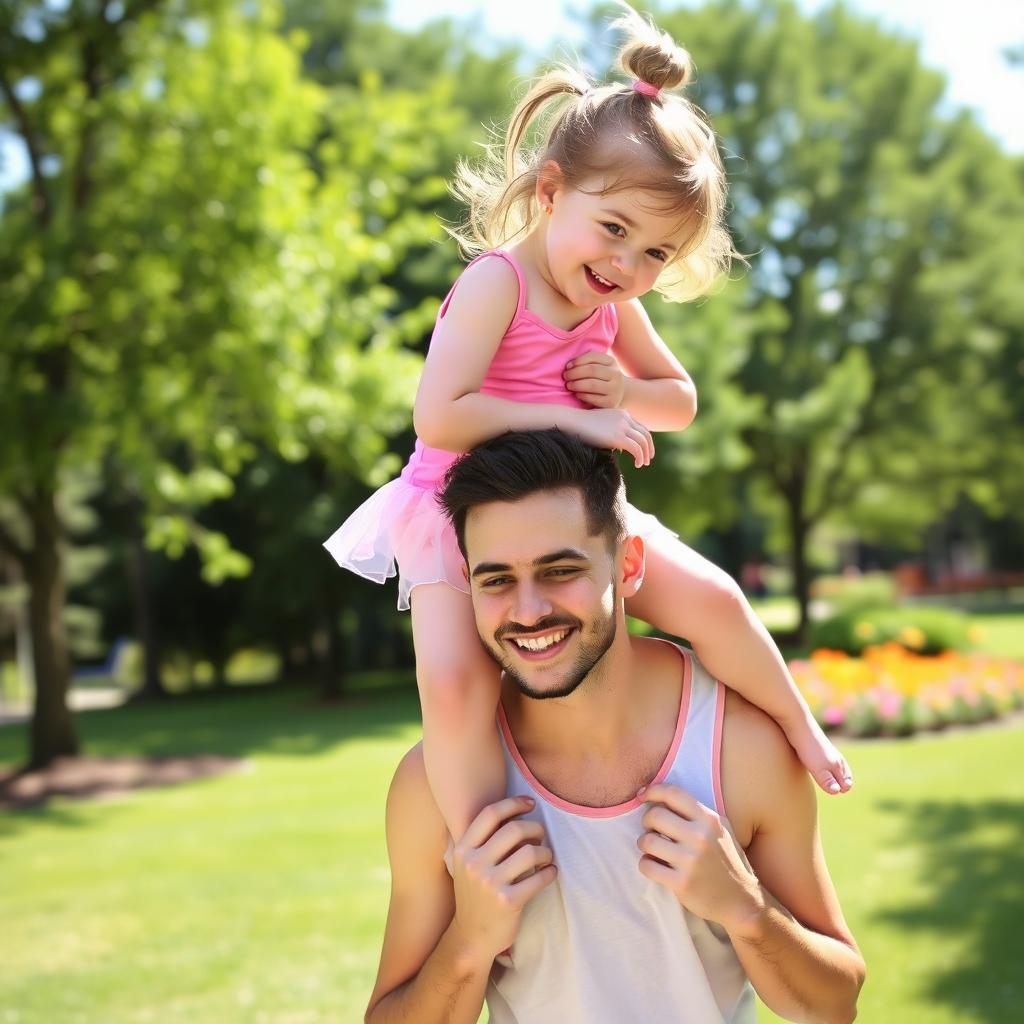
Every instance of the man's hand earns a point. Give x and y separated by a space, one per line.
498 866
596 378
688 849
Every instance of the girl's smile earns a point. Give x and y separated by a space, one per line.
598 283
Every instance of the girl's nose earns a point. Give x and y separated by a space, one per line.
624 262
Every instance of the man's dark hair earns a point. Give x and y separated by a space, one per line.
523 462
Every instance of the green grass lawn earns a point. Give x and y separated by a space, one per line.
260 897
1002 634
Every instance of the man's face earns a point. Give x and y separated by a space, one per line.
543 590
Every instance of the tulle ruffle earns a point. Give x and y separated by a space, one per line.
400 530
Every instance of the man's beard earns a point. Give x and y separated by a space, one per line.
592 650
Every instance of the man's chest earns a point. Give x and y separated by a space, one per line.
595 781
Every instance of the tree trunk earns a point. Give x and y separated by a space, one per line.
289 668
53 733
798 531
219 663
145 623
328 646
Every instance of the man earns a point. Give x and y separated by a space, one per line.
609 887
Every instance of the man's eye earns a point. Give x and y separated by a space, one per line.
495 581
616 229
563 570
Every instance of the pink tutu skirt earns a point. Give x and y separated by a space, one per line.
402 530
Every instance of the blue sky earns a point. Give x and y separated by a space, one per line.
964 40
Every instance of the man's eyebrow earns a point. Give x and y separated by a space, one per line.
630 223
562 555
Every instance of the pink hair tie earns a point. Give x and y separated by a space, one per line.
639 85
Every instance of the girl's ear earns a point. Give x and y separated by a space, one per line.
549 181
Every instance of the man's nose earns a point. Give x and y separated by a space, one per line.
531 605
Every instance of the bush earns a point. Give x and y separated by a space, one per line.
922 630
853 593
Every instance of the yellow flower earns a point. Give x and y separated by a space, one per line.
913 637
975 634
864 630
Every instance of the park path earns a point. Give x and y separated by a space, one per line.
80 699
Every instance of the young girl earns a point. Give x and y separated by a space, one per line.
545 329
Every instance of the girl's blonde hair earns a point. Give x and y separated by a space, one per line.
663 144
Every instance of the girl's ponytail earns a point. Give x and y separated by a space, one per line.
557 84
498 192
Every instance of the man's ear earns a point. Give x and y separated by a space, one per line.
634 563
465 571
550 180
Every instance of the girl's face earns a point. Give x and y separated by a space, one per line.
605 248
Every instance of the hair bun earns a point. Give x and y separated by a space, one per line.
651 55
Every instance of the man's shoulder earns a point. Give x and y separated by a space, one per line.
757 730
656 660
409 785
411 808
411 772
763 781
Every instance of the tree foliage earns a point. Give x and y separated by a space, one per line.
194 269
883 294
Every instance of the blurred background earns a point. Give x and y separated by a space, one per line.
221 255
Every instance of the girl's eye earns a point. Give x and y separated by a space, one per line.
616 229
658 254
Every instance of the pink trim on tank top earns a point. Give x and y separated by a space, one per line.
716 751
615 809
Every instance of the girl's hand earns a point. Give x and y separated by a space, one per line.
616 429
595 378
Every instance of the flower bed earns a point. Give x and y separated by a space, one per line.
892 691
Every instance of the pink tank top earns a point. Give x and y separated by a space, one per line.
527 366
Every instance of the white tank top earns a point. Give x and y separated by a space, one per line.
603 944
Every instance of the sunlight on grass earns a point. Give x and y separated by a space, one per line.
261 897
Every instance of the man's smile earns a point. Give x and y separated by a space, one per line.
541 647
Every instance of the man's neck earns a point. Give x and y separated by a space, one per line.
613 730
595 715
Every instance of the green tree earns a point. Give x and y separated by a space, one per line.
884 286
190 271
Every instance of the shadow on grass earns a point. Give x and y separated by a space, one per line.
974 877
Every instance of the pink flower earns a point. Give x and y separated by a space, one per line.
834 715
889 705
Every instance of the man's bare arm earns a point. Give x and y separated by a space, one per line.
442 934
795 947
802 961
423 975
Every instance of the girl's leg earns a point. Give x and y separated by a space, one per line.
459 688
686 595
